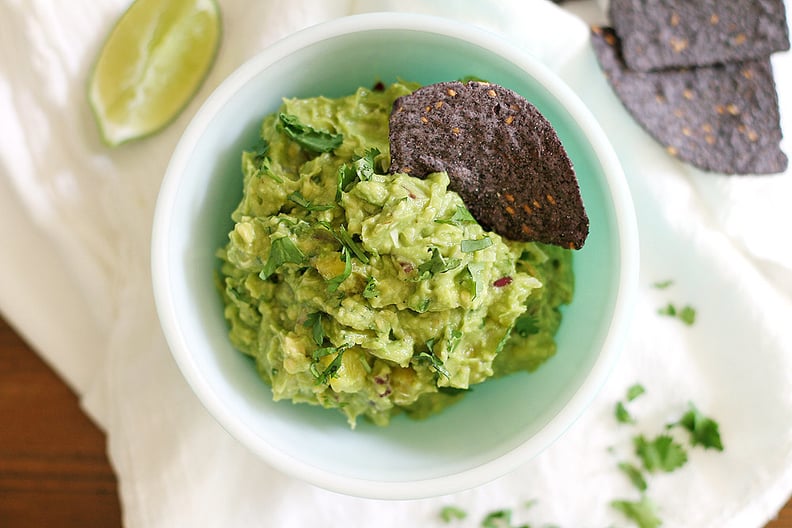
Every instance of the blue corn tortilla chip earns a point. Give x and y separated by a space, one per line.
722 118
502 157
658 34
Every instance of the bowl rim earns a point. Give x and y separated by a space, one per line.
625 220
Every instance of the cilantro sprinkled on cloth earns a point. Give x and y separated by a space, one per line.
449 513
634 474
642 512
662 453
703 431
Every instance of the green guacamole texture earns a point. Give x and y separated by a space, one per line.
375 293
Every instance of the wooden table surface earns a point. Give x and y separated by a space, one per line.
53 463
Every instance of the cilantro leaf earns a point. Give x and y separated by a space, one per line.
436 264
642 512
308 137
435 362
335 282
361 168
622 414
343 236
365 165
473 278
370 291
260 151
634 391
300 200
331 371
662 285
314 320
497 519
703 430
526 325
449 513
453 341
282 250
634 474
688 315
660 454
469 246
461 216
346 175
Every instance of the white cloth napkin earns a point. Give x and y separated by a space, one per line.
75 221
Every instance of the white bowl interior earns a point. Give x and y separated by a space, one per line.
501 423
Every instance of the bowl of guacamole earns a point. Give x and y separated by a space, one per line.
358 328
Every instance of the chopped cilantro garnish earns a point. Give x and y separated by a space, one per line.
361 168
453 341
703 430
260 151
622 414
634 391
343 236
474 283
669 310
634 474
469 246
346 240
660 454
266 170
435 362
300 200
346 175
461 216
642 512
331 371
662 285
308 137
449 513
314 321
364 165
370 291
282 251
335 282
436 264
526 325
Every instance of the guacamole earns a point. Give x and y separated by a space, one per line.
370 292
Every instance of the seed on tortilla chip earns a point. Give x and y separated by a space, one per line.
501 155
660 34
722 118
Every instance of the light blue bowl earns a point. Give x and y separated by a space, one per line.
503 423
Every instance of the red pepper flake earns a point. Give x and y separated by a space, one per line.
406 267
503 281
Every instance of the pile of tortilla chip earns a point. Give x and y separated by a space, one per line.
697 77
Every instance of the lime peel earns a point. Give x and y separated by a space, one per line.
151 65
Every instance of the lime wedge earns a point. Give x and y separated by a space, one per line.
151 65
